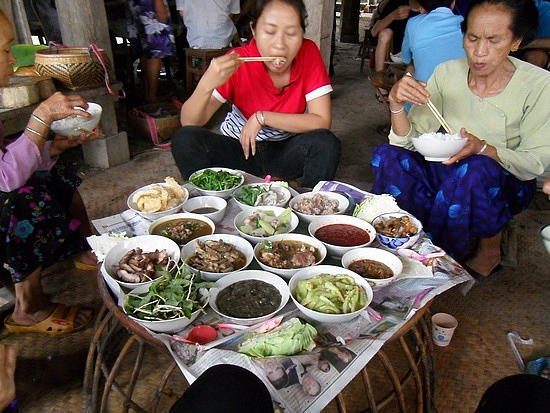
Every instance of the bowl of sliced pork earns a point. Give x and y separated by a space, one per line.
310 205
140 260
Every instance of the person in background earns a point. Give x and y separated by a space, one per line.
7 373
152 39
537 51
500 105
281 113
210 23
389 28
432 37
43 219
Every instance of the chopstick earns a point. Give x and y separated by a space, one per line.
261 59
437 115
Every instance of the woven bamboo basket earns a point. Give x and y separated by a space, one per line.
166 126
75 67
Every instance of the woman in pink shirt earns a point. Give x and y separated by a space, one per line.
43 218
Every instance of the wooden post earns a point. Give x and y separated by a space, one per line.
349 21
319 25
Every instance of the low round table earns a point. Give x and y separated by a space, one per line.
115 334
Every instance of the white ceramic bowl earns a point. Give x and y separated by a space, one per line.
397 242
396 58
147 243
337 251
195 204
240 217
343 204
375 254
154 226
283 195
68 126
169 326
438 147
287 273
265 276
155 215
310 272
222 194
240 244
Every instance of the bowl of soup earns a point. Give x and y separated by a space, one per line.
341 233
217 255
212 207
249 297
183 227
285 254
397 229
265 221
253 195
379 267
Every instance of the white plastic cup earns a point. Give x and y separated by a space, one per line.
545 234
443 328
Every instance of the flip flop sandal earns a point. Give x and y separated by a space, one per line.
59 322
480 278
85 267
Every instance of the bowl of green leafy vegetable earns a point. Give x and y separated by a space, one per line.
250 196
169 304
220 182
265 221
329 293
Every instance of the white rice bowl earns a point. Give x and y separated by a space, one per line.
437 146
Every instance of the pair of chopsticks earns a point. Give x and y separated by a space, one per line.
437 115
261 59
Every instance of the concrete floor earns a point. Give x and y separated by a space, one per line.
50 372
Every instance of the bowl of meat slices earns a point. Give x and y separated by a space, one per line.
285 254
217 255
311 205
140 260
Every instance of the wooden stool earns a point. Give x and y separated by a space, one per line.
196 63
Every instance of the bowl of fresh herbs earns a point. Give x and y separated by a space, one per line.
169 304
220 182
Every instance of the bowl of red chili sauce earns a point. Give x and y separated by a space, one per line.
341 233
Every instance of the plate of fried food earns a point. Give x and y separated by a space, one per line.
157 200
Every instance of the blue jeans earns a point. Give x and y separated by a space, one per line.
313 155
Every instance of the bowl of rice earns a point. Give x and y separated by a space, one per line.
438 147
75 125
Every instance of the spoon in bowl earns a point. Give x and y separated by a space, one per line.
408 253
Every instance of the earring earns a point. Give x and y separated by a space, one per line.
515 48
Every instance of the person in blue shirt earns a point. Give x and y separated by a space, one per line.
432 37
537 51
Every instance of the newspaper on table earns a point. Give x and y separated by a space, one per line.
308 381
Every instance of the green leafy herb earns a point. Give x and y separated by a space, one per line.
212 180
250 193
170 297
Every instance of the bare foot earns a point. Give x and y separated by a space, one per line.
87 257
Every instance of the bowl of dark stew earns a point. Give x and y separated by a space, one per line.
182 228
249 297
285 254
341 233
379 267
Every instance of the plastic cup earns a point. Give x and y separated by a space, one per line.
443 328
545 234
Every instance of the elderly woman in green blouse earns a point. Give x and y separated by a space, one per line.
501 105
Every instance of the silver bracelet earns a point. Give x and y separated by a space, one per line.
482 148
36 118
37 133
395 112
262 118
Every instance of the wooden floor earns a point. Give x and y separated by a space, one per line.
50 369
